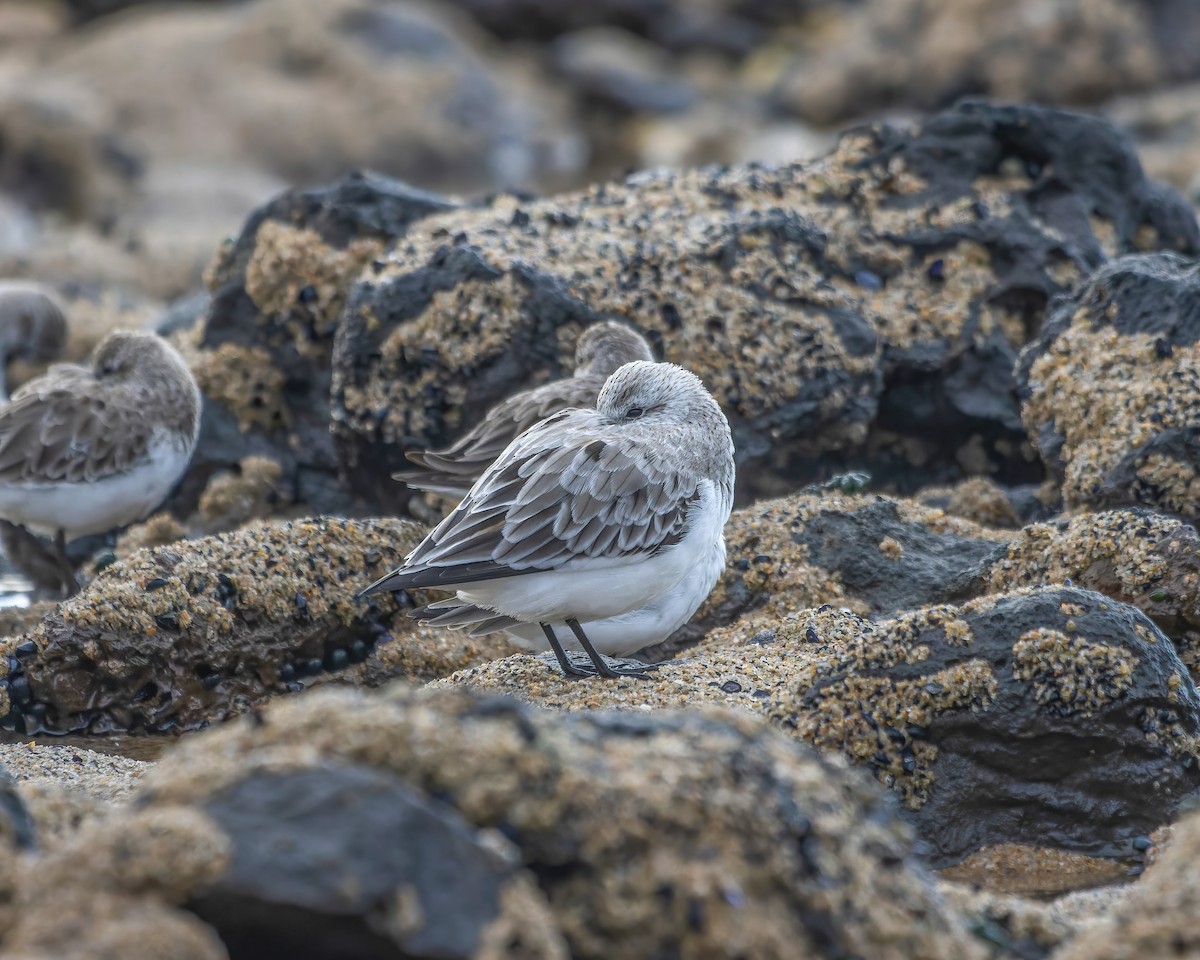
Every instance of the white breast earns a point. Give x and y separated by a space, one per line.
83 508
596 590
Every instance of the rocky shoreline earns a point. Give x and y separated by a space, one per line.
947 711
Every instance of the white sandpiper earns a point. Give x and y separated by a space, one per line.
600 350
608 520
86 449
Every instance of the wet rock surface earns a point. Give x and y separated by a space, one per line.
192 633
1048 718
1134 324
891 283
740 841
308 875
865 553
1136 556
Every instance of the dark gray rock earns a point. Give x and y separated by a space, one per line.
864 311
16 825
320 224
324 857
1055 717
1138 441
937 567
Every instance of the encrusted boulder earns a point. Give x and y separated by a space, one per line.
1111 390
702 831
1159 916
869 554
865 308
263 345
1053 719
195 632
1139 557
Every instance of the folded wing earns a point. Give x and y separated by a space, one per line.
568 491
49 436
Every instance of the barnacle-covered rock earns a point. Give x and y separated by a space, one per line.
1054 718
865 307
261 352
869 554
179 636
702 831
1111 387
1139 557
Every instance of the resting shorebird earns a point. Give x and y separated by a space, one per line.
32 326
608 520
84 450
601 349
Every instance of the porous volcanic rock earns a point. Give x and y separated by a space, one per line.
865 308
921 54
868 554
1136 556
309 876
264 343
703 831
1053 718
197 631
1111 389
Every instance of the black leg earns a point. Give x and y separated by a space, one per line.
570 671
70 584
603 667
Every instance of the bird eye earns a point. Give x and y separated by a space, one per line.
633 413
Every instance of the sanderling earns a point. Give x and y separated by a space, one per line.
608 520
87 449
32 326
601 349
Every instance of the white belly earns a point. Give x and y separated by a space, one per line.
648 590
80 509
647 625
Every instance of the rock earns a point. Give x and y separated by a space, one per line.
1039 717
181 636
985 502
890 285
1135 556
1158 918
620 71
266 337
741 843
1165 124
83 11
1133 326
17 830
109 893
308 875
303 90
863 553
59 154
731 26
1030 719
911 54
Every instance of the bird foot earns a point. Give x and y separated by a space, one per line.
577 666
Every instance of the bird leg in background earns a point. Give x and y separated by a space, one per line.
70 584
569 669
603 667
31 556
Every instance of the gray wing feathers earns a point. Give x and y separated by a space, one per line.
566 491
51 436
456 467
